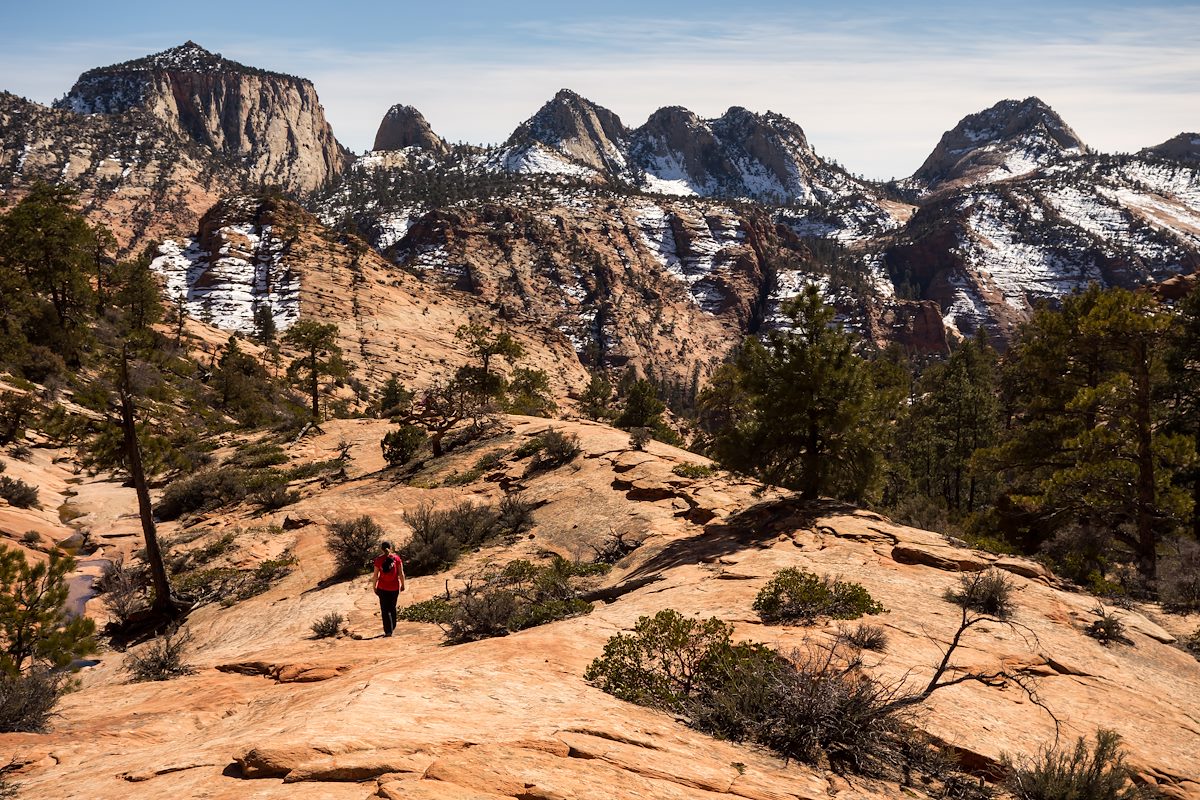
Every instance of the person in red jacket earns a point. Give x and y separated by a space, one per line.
389 583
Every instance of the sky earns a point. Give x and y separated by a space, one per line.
874 84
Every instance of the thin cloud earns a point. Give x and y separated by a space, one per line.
873 91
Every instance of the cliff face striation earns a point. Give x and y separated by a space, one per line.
270 124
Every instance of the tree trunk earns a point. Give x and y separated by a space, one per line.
315 388
1147 546
164 602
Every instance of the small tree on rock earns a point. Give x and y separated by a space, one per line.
320 357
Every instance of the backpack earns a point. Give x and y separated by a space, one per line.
388 563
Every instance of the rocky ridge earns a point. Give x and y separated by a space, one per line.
403 127
1010 139
367 716
270 124
252 252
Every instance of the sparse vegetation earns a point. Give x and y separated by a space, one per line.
1095 773
793 595
1107 628
865 637
689 470
161 659
436 610
520 595
354 544
988 593
213 488
814 705
18 493
329 625
27 699
615 546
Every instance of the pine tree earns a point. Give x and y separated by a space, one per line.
1087 442
320 357
34 624
802 410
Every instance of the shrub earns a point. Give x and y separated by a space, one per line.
1080 554
262 577
554 449
31 537
275 498
639 437
1107 628
515 515
793 595
615 547
482 615
813 705
399 446
436 610
206 490
490 461
123 590
865 637
329 625
18 493
1192 643
433 546
259 456
988 592
690 470
354 545
161 659
1096 773
27 699
1179 582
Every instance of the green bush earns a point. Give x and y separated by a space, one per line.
690 470
436 610
1078 773
482 615
793 595
490 461
815 706
258 456
328 626
354 544
161 659
18 493
550 449
399 446
275 498
639 437
214 488
1192 643
988 592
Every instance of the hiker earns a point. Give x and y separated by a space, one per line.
389 583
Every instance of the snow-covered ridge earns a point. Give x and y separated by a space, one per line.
227 288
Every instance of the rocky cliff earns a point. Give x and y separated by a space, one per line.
1012 138
136 175
403 127
272 125
254 254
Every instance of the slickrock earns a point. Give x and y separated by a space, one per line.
512 717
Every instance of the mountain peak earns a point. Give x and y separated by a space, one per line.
1184 147
577 128
1013 137
404 126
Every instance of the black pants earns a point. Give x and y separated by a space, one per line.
387 609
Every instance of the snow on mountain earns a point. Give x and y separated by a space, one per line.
1010 139
245 273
